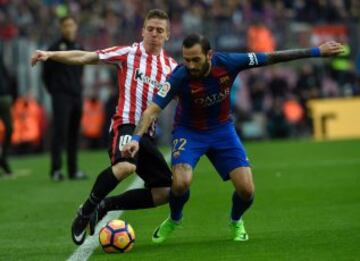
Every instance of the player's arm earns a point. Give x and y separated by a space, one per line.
240 61
148 116
166 93
324 50
75 57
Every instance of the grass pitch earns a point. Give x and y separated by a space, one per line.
307 207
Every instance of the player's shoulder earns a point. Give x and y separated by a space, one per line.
179 72
170 60
221 56
116 49
230 58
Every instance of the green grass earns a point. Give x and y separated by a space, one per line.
307 207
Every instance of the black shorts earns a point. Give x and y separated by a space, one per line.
150 163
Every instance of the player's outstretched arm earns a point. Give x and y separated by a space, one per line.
67 57
148 116
324 50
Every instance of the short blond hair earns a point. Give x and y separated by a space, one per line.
159 14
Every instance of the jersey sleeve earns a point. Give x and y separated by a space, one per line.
173 64
240 61
169 89
114 55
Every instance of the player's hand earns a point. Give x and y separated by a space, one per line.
39 55
130 149
331 48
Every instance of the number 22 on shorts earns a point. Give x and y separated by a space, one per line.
179 145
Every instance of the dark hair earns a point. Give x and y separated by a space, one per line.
67 17
194 38
157 13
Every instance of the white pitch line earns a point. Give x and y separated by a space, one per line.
83 252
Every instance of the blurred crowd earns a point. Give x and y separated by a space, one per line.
106 22
272 101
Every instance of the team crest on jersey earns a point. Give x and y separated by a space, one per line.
164 89
225 80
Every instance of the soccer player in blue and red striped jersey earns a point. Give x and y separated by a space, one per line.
203 125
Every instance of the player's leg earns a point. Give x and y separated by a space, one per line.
153 169
5 116
179 195
242 199
183 163
106 181
60 121
73 133
180 190
229 158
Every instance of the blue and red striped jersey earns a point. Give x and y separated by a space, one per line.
204 103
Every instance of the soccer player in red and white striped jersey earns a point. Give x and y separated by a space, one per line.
142 70
140 75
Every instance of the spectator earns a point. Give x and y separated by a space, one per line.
92 122
5 116
260 38
65 87
277 125
278 84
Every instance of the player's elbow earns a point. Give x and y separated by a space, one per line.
88 58
150 114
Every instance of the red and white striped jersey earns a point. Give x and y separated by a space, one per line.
140 76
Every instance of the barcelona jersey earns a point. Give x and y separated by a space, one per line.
204 103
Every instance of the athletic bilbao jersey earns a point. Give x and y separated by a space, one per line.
140 76
205 103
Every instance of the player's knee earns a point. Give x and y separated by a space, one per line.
247 192
160 195
122 170
182 176
181 186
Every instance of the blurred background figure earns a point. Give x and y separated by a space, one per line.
92 122
260 38
5 117
64 84
232 26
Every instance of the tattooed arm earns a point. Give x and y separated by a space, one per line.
148 116
324 50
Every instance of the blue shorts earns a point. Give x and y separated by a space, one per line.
221 145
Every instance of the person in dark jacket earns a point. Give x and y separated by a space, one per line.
5 116
64 84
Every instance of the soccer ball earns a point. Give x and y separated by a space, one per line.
117 236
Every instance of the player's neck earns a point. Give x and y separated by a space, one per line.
153 50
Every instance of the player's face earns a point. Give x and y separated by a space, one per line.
68 29
196 61
155 32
